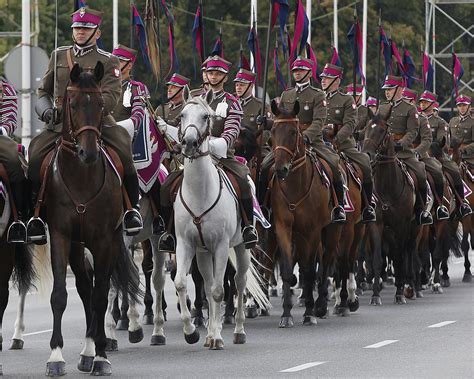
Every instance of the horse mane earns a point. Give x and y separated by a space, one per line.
87 80
198 100
284 113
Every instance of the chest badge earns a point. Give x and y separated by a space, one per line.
338 111
306 107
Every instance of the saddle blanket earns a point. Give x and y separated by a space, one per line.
467 190
257 211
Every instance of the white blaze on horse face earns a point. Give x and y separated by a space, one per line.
373 126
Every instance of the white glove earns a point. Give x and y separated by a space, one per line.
218 147
221 110
128 125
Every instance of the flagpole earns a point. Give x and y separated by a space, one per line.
115 23
202 29
287 57
265 79
364 46
379 59
453 81
308 14
354 70
335 27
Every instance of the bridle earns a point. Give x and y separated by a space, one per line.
201 137
379 147
71 146
294 163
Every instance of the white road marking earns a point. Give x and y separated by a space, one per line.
441 324
38 332
380 344
302 367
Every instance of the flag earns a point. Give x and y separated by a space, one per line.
280 10
310 54
386 51
398 58
335 60
252 42
174 62
355 39
409 67
427 73
458 72
300 35
278 73
243 62
141 35
197 34
218 48
78 4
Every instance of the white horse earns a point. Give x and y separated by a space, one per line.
207 223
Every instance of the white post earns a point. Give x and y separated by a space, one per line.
115 23
308 14
335 27
253 18
25 74
364 46
434 45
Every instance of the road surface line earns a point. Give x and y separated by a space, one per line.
39 332
441 324
302 367
380 344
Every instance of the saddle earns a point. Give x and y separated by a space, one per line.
353 169
468 170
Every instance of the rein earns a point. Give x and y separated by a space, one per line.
201 138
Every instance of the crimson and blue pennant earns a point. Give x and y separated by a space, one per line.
252 42
355 39
458 72
386 50
427 73
141 35
174 62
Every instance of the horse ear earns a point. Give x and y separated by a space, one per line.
99 71
209 97
186 94
75 72
275 109
296 108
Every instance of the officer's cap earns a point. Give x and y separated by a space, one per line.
125 53
216 63
178 80
86 17
245 76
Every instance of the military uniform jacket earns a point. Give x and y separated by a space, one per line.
403 123
135 94
439 127
171 113
362 120
342 114
462 130
251 106
423 141
312 112
87 58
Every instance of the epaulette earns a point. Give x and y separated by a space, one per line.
229 96
62 48
103 52
257 100
315 88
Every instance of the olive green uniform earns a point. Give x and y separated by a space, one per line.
112 135
252 107
171 114
363 118
462 131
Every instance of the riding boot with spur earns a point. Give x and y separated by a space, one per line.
423 217
249 233
368 213
167 242
132 220
442 212
338 215
158 226
464 207
17 230
36 228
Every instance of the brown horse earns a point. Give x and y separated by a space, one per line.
395 225
84 209
301 223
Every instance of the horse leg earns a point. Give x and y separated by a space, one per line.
374 233
158 276
184 257
110 336
467 277
309 274
147 267
398 268
60 246
6 269
240 279
199 319
115 309
229 318
17 339
123 323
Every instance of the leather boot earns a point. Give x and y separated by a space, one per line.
368 213
132 220
464 209
249 233
338 215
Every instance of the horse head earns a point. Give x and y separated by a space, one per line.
287 138
195 127
84 112
377 136
246 144
437 148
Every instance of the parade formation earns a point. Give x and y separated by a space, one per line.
313 188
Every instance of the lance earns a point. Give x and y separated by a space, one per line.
356 53
265 79
453 81
379 59
202 29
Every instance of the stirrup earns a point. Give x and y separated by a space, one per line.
252 236
465 209
342 213
442 213
17 232
38 238
136 229
163 246
425 218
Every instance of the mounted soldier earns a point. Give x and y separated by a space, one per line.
204 87
312 114
171 111
86 30
421 146
439 130
341 120
225 130
14 177
402 119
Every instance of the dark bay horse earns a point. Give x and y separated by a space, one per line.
84 208
301 219
395 231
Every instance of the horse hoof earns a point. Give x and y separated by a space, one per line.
445 282
148 319
409 293
216 344
321 312
467 278
157 340
251 312
135 336
264 313
273 292
301 302
437 288
376 300
199 321
390 280
111 345
353 305
192 338
240 338
101 368
207 343
55 368
229 320
286 322
122 325
400 299
364 286
419 294
341 311
309 320
85 363
17 344
359 291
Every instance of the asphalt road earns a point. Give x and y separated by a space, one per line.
432 337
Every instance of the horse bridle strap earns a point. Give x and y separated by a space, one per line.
300 161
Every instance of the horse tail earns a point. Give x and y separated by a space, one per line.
126 276
454 238
255 281
43 269
24 271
